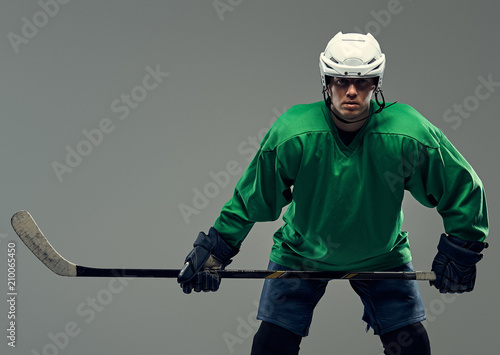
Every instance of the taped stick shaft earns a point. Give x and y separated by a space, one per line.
83 271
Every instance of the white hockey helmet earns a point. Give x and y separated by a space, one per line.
352 55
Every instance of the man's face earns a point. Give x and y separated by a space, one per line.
351 97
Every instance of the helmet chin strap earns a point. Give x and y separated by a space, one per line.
381 106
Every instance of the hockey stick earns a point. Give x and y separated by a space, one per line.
32 236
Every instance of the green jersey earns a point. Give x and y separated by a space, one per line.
345 202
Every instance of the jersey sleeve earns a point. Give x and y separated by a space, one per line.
443 179
261 193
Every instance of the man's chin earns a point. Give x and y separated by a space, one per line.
349 115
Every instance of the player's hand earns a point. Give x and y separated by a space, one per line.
455 264
210 254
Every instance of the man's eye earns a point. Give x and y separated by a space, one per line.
364 84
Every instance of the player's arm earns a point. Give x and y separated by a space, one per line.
260 194
445 180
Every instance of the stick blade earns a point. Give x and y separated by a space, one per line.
25 227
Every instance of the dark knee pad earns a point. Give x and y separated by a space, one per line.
409 340
272 339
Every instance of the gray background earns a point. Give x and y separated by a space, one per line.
230 75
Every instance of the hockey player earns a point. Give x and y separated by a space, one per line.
341 166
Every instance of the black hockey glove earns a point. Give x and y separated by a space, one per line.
455 264
210 253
